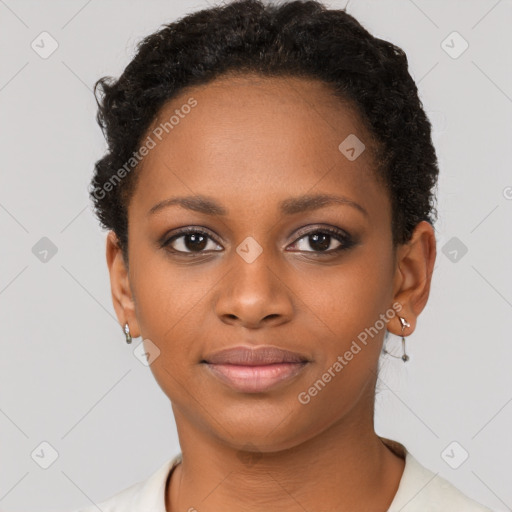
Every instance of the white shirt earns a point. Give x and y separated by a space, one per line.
419 490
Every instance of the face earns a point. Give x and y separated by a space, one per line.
264 264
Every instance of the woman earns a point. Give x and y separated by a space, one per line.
268 188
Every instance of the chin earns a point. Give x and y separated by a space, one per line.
263 431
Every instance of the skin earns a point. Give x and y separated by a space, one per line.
250 143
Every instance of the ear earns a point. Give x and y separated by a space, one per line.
414 267
122 298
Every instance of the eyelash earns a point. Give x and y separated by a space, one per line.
345 240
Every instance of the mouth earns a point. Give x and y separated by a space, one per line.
255 370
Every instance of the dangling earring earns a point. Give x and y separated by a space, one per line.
404 357
127 333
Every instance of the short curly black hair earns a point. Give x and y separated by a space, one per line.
297 38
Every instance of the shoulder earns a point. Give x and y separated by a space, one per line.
147 494
421 489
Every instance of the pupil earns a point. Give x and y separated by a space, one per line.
323 245
194 245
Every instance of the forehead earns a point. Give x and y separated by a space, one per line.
255 134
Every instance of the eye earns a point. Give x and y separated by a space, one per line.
190 240
321 240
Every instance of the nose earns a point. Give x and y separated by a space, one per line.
254 295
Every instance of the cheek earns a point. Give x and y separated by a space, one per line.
165 293
172 312
348 304
351 296
346 321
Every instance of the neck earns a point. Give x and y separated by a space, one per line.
343 469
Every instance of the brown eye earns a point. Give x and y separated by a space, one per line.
191 241
325 240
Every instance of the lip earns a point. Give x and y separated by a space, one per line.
257 356
255 370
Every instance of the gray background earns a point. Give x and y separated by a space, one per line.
67 376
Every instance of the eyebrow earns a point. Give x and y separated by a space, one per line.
290 206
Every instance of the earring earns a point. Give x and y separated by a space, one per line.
127 333
404 357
